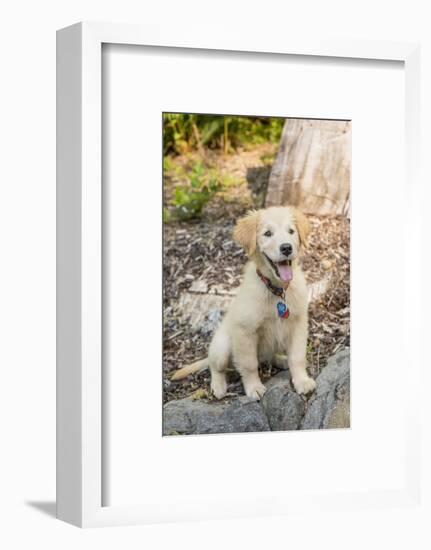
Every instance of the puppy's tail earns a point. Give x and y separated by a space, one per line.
198 366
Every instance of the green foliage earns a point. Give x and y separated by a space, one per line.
267 158
187 132
189 198
167 164
192 183
166 215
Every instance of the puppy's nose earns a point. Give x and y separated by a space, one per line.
286 249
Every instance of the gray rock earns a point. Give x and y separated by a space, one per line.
202 312
186 416
339 417
211 321
330 405
282 379
283 407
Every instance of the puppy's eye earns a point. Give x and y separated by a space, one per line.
291 231
268 233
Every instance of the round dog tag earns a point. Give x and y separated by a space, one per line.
282 310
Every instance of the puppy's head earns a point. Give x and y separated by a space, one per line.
273 238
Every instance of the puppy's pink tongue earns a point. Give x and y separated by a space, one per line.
285 272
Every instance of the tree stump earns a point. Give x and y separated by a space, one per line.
312 167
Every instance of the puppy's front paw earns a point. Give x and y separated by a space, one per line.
219 386
304 385
255 391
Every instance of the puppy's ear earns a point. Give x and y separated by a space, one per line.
245 232
302 226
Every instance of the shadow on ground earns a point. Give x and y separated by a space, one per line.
257 181
47 507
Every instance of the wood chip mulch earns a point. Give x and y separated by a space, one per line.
204 251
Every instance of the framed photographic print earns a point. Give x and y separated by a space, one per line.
232 260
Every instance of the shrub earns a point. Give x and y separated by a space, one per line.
185 132
189 198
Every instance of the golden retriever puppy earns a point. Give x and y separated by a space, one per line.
269 313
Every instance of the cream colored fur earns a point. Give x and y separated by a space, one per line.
251 331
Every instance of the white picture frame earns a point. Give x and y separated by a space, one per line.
79 256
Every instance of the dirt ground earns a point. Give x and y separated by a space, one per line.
202 252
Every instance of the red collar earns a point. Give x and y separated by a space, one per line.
276 290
